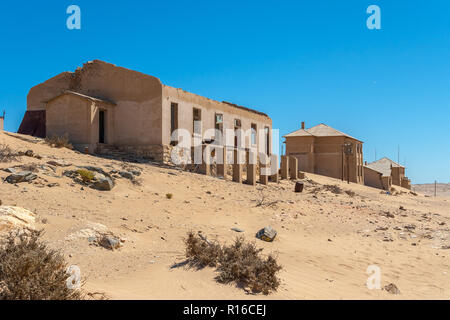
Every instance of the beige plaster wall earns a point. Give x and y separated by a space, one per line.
138 113
373 178
188 101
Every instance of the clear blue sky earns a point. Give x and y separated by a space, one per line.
313 61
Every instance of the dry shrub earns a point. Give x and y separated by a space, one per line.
350 193
333 188
201 252
241 263
29 270
59 141
86 175
7 154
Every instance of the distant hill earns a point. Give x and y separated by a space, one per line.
443 189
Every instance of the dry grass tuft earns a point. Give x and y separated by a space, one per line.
86 175
333 188
59 142
7 154
29 270
241 263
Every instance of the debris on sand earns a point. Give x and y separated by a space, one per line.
299 187
267 234
392 289
237 230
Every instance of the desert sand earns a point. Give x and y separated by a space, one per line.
325 241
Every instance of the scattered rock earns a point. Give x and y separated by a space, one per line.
29 153
24 176
267 234
59 163
103 184
402 208
127 175
392 289
10 170
237 230
15 217
109 242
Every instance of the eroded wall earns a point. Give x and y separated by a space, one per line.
187 101
137 96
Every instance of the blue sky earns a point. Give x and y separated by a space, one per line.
313 61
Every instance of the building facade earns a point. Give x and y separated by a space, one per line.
102 104
327 151
391 169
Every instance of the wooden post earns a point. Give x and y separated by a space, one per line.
205 167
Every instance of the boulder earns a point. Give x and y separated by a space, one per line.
24 176
126 175
267 234
109 242
16 218
103 184
10 170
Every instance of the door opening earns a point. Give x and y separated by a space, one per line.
101 127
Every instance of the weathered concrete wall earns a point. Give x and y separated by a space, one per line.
373 178
69 115
138 113
209 108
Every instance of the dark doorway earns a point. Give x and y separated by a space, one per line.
101 127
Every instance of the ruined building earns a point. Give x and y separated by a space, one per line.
101 105
327 151
391 173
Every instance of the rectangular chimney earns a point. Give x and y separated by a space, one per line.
303 125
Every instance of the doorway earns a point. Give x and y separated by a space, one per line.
101 126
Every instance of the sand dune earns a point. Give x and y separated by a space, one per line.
325 241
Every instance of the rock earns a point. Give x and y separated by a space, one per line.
392 289
10 170
103 184
299 187
15 217
29 153
267 234
126 175
136 172
109 242
24 176
237 230
402 208
59 163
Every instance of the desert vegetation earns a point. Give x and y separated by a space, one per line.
241 263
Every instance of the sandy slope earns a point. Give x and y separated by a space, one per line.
325 243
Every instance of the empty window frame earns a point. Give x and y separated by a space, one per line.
197 121
254 129
173 118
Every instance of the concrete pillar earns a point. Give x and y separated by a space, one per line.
237 166
251 168
293 167
285 161
274 167
222 162
205 167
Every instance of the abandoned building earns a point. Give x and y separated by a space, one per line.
390 171
327 151
2 121
100 106
376 178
